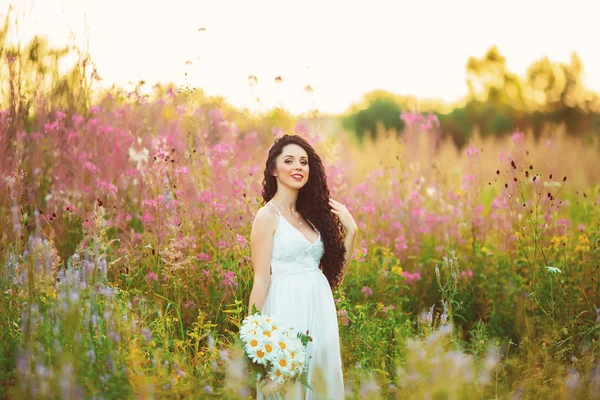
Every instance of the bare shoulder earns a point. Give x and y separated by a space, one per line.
265 220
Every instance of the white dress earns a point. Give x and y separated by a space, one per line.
300 297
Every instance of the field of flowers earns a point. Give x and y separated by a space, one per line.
125 265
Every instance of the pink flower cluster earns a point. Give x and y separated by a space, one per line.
344 315
241 240
229 279
426 123
151 277
367 291
411 276
467 273
386 309
216 116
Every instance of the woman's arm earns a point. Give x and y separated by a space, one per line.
349 245
261 246
351 231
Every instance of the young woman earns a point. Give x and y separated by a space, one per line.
302 242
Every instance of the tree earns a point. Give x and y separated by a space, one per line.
383 111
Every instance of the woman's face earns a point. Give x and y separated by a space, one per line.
291 167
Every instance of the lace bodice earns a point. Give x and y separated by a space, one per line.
292 252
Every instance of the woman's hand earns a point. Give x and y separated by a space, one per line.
344 215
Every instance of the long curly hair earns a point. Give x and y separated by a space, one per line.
312 204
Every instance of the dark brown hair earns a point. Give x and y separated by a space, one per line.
312 204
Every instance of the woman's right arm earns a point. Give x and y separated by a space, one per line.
261 246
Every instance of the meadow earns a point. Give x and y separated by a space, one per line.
125 266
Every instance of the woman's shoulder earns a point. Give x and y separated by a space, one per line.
266 218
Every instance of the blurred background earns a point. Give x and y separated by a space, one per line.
478 65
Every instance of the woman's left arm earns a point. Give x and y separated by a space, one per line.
351 232
349 245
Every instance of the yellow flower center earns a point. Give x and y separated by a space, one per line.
253 343
267 333
277 372
282 362
282 345
268 348
292 354
260 354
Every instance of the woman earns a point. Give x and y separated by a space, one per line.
299 254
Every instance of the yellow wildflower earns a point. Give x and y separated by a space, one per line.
557 241
583 239
397 269
582 248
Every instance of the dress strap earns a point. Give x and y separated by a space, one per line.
272 205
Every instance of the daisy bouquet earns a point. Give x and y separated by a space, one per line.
276 353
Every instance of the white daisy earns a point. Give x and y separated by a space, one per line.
269 349
277 374
284 361
259 356
253 332
253 345
296 367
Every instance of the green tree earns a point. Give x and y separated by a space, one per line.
384 111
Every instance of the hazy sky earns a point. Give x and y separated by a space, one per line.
341 48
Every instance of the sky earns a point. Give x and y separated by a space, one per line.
342 49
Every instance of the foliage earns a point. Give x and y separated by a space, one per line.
498 102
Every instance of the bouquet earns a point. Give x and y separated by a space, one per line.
275 352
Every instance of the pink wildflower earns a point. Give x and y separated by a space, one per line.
241 240
77 119
466 273
367 291
518 137
302 128
472 151
203 257
276 131
182 171
229 279
344 315
410 277
151 277
216 116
